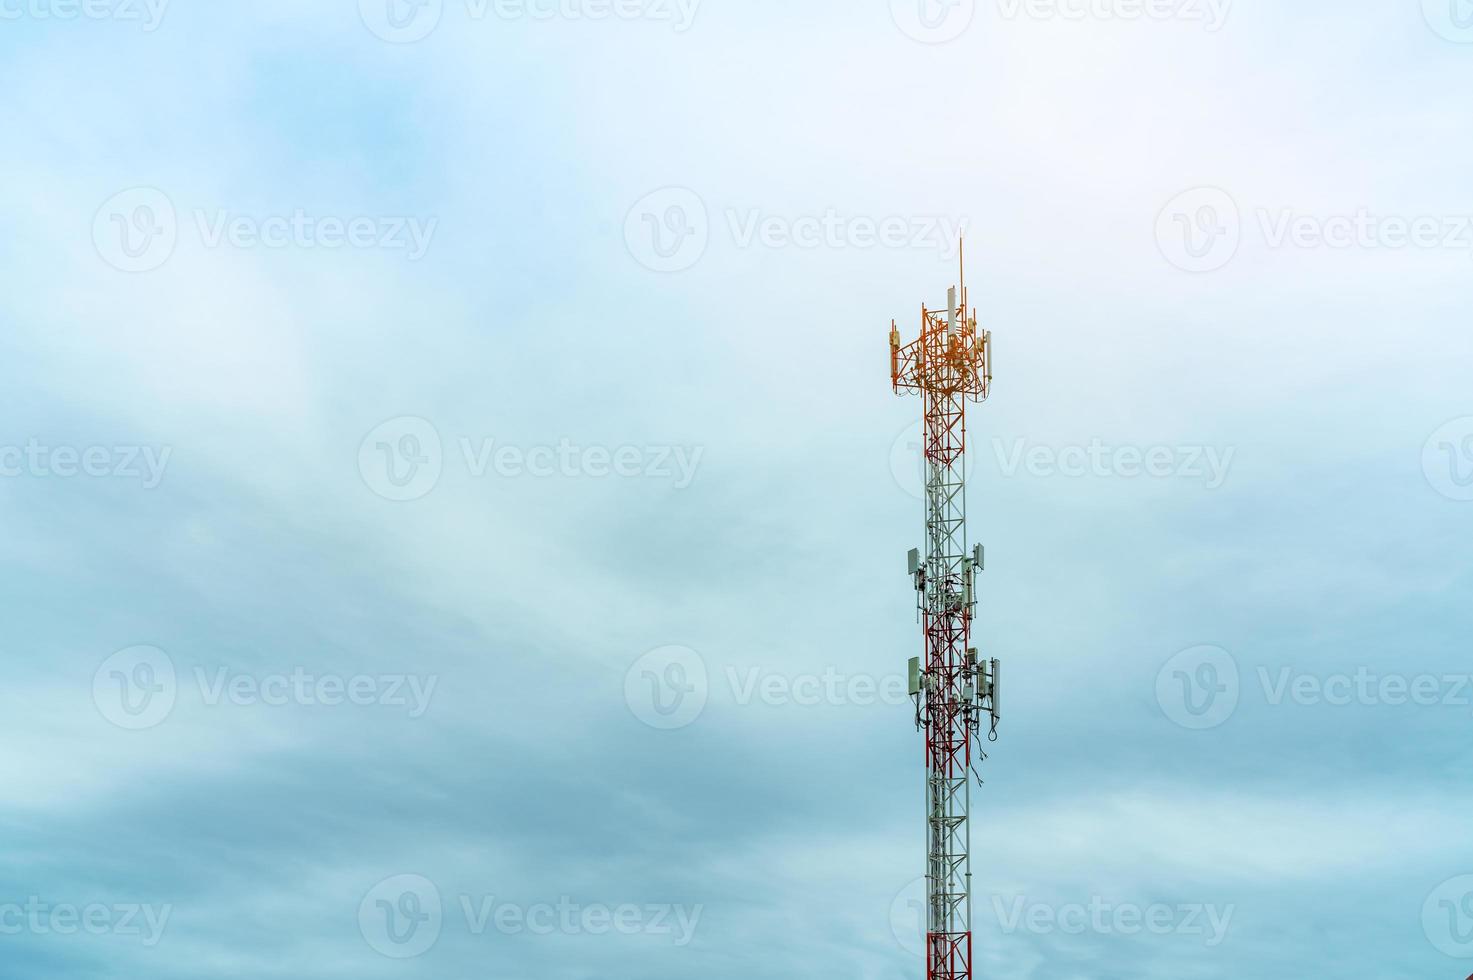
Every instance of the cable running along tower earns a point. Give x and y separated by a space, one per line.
955 692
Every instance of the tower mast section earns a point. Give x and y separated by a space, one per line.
955 692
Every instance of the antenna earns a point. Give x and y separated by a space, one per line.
961 260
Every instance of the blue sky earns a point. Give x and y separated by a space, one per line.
455 513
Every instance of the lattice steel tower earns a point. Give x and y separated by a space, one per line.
953 690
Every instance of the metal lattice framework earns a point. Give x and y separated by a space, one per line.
949 364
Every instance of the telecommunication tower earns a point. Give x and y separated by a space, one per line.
954 691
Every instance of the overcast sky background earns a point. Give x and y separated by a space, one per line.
584 489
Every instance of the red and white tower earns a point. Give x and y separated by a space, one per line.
955 692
